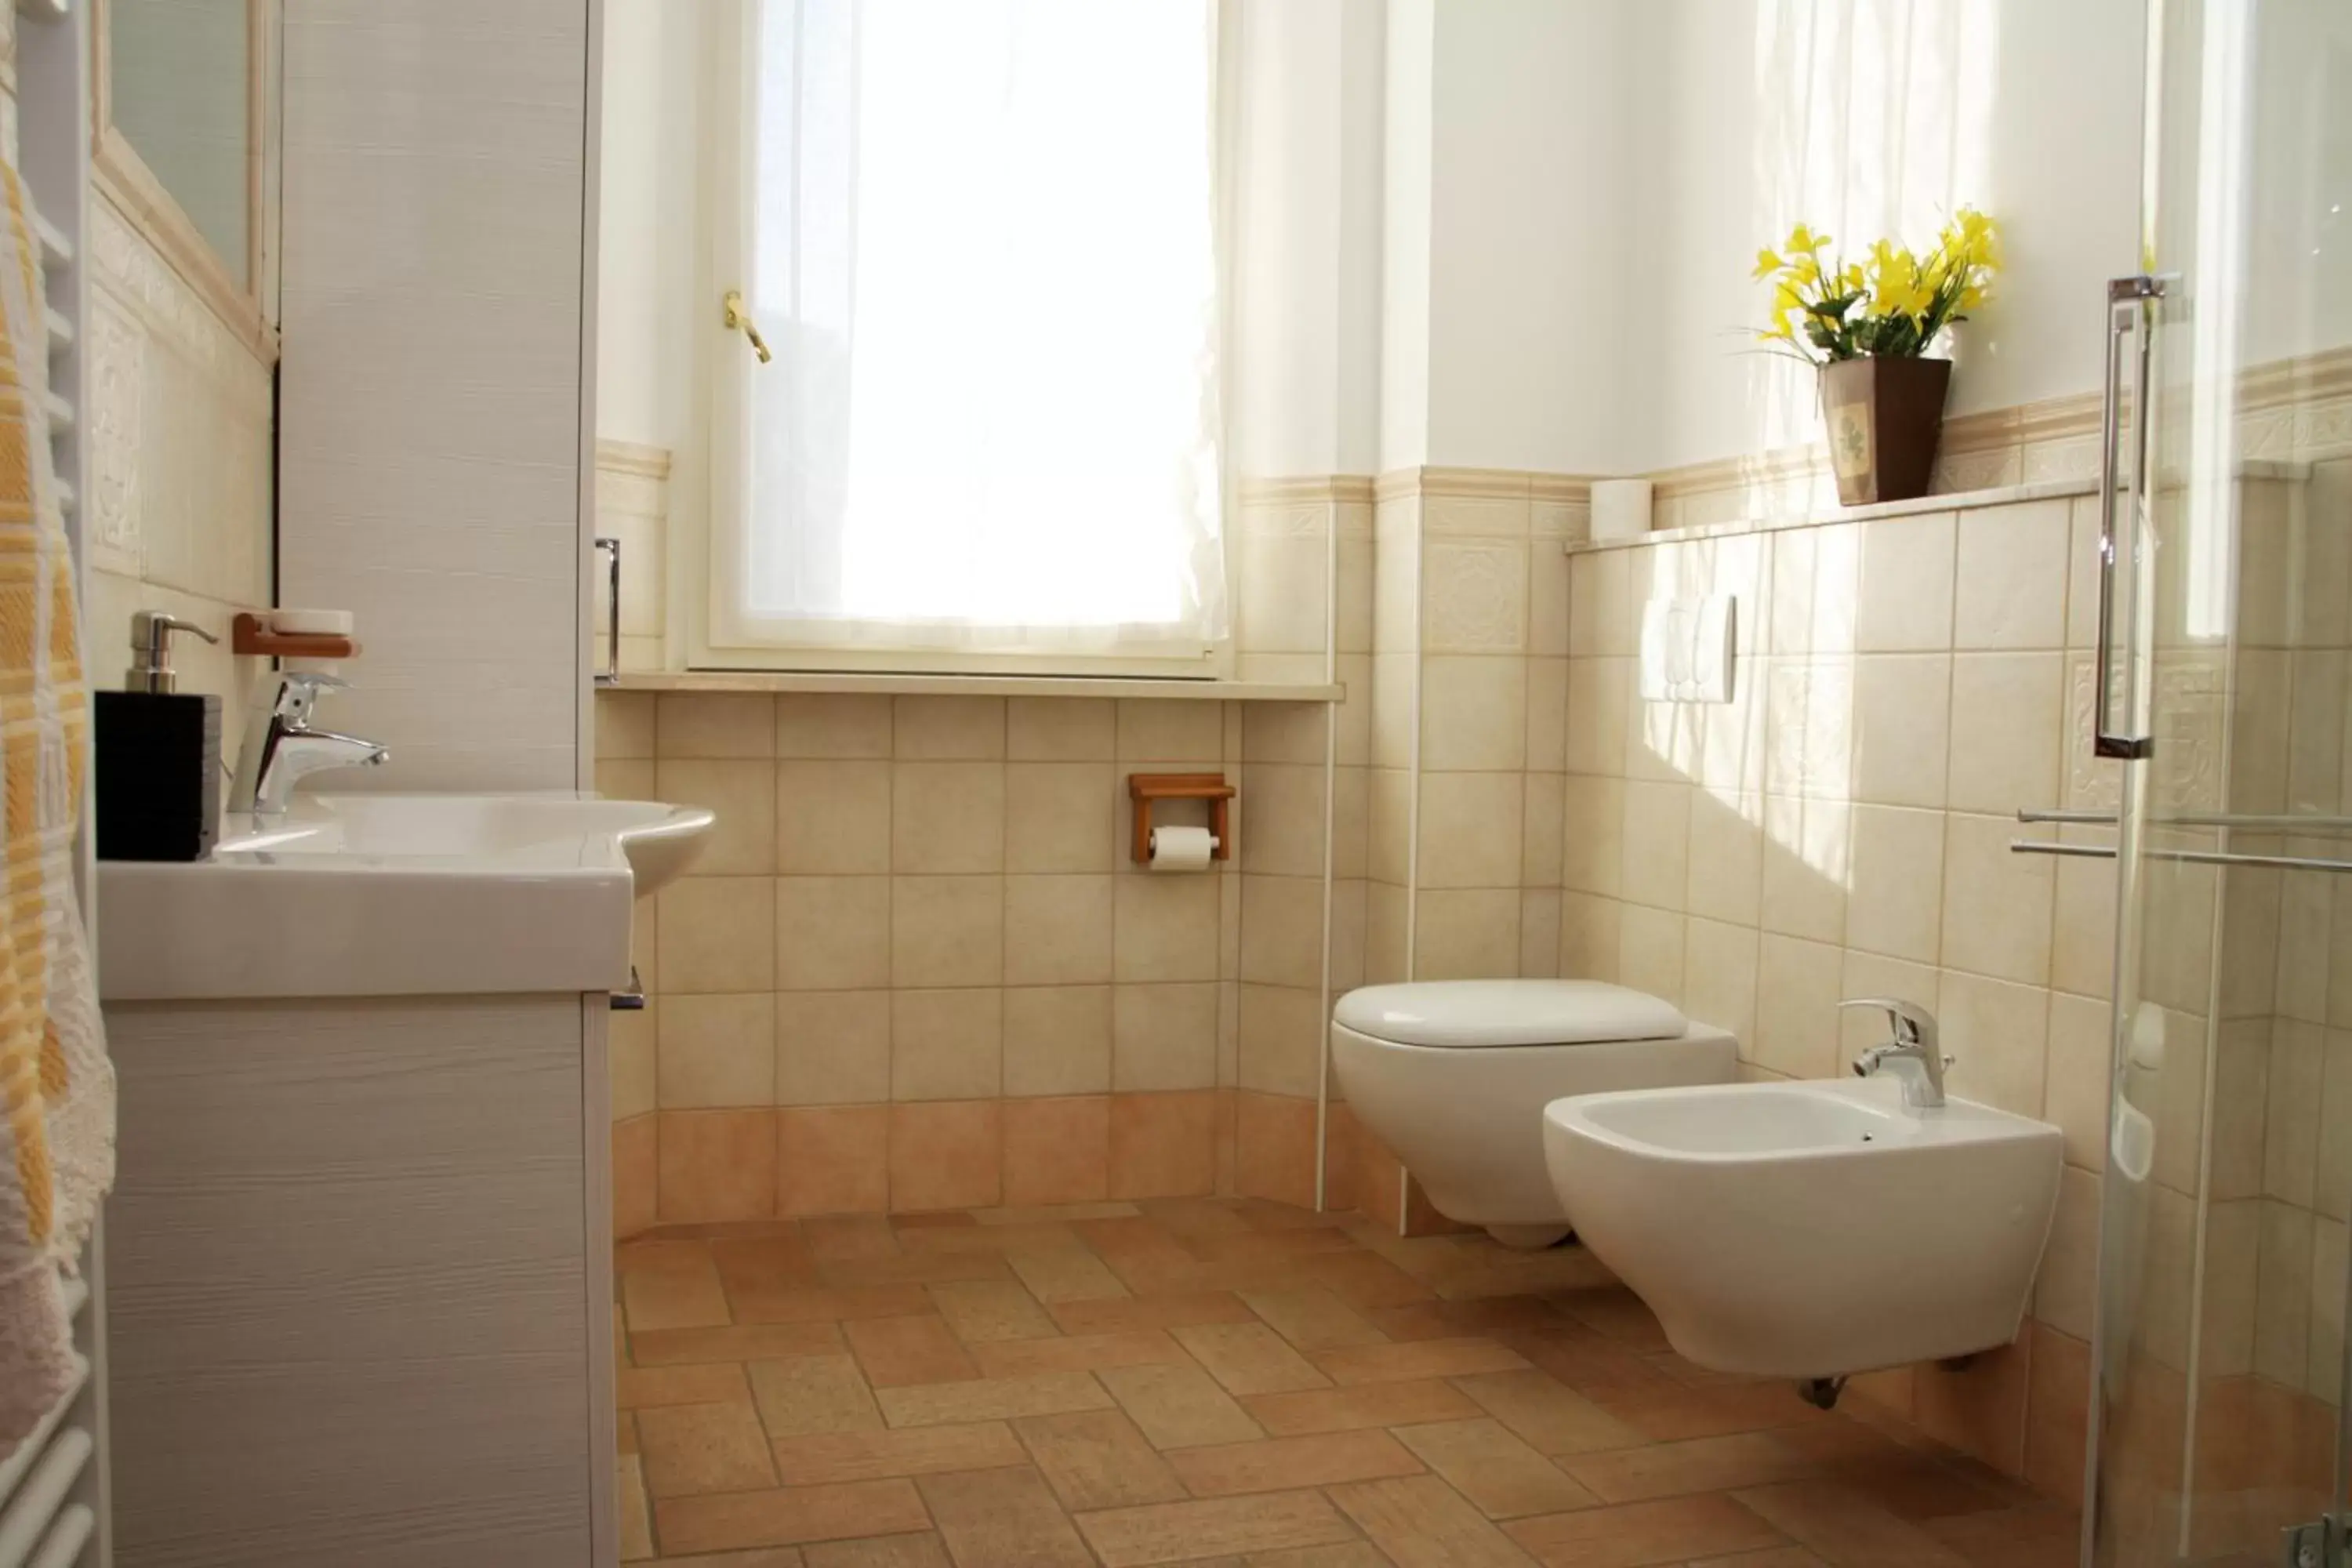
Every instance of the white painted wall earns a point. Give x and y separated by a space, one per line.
1407 165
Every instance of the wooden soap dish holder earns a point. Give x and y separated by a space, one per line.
248 635
1143 789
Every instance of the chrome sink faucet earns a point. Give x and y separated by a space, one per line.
281 749
1912 1047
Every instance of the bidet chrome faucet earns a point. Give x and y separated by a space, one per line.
281 749
1913 1045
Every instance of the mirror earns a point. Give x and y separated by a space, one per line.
182 115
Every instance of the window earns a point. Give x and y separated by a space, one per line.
979 237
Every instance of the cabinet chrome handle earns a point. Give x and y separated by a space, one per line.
611 674
2127 300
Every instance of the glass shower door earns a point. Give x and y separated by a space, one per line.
2220 712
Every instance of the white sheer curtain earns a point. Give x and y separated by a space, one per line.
979 236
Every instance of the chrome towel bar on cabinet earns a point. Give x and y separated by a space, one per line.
2251 822
2193 857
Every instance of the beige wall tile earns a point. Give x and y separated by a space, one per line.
718 1051
1599 692
1548 601
1600 606
633 1060
947 817
1665 739
1996 1035
2283 1294
1281 584
947 930
1057 1040
1816 584
1474 596
1282 931
1281 817
1901 707
1588 937
1542 821
1592 837
948 728
2010 589
2083 927
2006 730
1470 829
2333 1178
1354 632
1726 850
1809 728
742 841
833 933
1474 712
832 724
1895 905
1904 600
717 933
1060 816
1720 975
1807 863
707 724
832 1048
2290 1126
1798 989
947 1045
1059 729
2075 1096
1650 950
1058 930
1656 845
1389 843
1164 926
1539 933
1466 934
1396 696
625 724
1151 730
1547 747
2066 1291
1163 1037
1997 905
1281 1039
833 819
2083 571
2241 1098
1283 732
2315 757
1352 805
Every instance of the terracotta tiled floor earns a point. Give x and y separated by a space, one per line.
1231 1382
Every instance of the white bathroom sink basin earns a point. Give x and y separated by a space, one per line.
381 895
1810 1229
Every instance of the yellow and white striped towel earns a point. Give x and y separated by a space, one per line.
57 1087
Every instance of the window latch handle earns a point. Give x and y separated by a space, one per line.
739 320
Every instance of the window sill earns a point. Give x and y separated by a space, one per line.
780 680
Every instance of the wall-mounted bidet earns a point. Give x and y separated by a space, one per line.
1454 1075
1810 1230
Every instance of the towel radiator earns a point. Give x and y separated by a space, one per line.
53 1489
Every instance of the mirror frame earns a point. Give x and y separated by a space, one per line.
247 305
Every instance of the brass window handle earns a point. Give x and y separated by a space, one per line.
737 318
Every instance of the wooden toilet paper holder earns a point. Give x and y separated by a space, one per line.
1145 788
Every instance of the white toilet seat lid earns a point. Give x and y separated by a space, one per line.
1464 1012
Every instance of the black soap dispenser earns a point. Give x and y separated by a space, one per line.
159 755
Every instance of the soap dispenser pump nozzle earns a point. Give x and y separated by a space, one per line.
150 651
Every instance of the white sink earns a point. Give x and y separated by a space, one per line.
384 895
1810 1230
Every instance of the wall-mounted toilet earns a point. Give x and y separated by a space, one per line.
1454 1075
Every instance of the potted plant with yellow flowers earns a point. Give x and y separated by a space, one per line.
1868 327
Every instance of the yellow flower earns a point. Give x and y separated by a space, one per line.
1971 298
1768 261
1785 300
1803 239
1852 280
1804 271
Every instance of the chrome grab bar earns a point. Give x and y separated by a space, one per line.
2252 822
2193 857
2127 300
611 548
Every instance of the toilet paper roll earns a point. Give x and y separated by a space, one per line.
1621 509
1181 848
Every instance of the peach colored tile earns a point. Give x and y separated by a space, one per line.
1639 1533
647 1388
822 1458
1417 1359
833 1159
764 1342
1078 1352
1677 1470
1283 1464
983 1312
1108 1313
1178 1406
945 1155
1548 1413
1069 1274
2030 1537
1313 1320
821 1304
1249 1358
894 1351
991 1399
718 1165
1002 1518
914 1268
788 1515
694 1448
1057 1151
1843 1525
813 1393
674 1298
1499 1474
636 1176
833 1238
636 1515
2057 1414
1367 1405
1274 1148
877 1551
1422 1522
1163 1145
1097 1459
1174 1532
1980 1409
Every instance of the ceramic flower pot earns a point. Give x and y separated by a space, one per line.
1883 417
